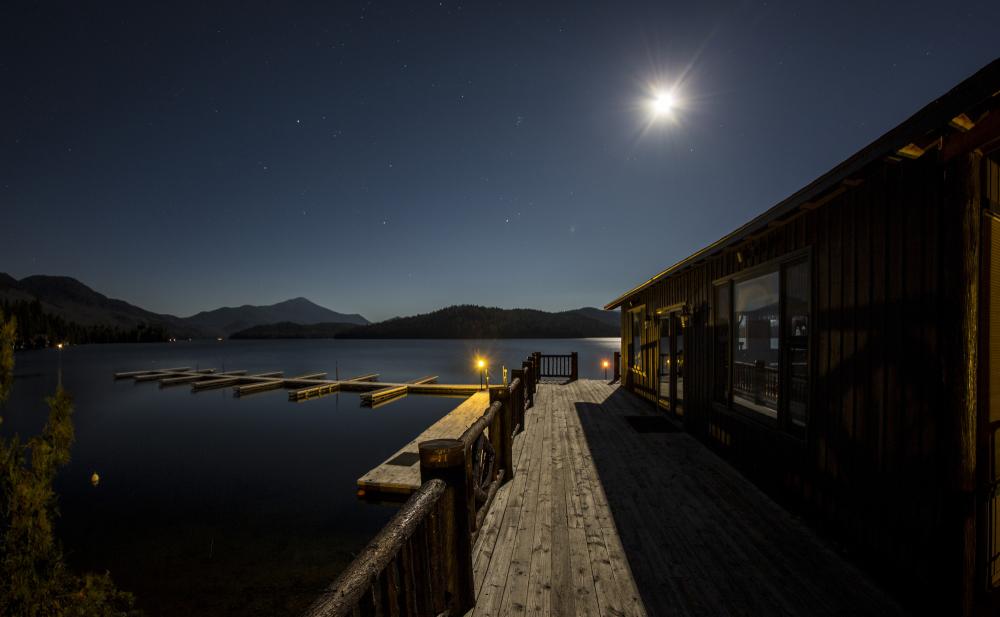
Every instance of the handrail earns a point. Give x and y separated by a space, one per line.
477 428
362 575
558 365
420 563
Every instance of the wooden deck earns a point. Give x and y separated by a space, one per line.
394 479
603 520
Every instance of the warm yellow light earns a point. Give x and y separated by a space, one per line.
481 363
605 364
95 479
59 345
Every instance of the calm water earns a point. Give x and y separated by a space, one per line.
212 505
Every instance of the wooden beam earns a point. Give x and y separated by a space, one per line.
384 395
157 376
274 384
175 381
128 374
962 237
222 382
962 123
984 132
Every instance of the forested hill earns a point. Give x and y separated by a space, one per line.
287 329
468 321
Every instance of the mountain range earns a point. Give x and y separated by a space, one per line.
75 302
71 300
480 322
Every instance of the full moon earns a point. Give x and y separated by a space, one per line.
663 103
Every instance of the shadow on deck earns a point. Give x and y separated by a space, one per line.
699 537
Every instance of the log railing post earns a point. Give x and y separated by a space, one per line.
529 384
518 396
574 366
446 459
501 432
537 358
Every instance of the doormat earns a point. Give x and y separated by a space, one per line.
651 424
405 459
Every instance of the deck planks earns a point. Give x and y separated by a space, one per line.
602 520
404 480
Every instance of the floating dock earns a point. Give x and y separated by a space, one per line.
384 395
399 475
301 387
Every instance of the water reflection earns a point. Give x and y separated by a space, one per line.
203 504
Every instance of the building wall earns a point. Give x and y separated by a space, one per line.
873 466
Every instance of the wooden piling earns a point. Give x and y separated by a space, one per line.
445 459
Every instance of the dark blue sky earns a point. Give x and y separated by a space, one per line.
395 158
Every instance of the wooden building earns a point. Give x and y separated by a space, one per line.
842 349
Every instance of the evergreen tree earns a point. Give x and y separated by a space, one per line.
35 579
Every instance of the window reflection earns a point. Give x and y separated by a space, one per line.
756 353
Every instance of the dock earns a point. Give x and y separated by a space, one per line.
301 387
381 396
399 475
611 509
601 519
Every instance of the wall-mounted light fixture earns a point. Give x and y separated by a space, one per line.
685 316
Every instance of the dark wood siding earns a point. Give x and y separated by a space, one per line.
873 464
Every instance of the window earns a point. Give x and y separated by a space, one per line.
671 372
664 387
761 335
635 352
757 351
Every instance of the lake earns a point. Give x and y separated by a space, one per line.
212 505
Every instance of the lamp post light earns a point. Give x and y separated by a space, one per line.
604 365
59 346
481 365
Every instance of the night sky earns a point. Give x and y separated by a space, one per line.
390 159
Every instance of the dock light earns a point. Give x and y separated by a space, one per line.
59 346
95 479
481 365
605 364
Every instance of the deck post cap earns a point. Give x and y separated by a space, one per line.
441 453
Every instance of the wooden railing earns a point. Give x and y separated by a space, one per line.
558 365
756 381
759 383
421 562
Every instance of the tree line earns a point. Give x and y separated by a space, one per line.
37 328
